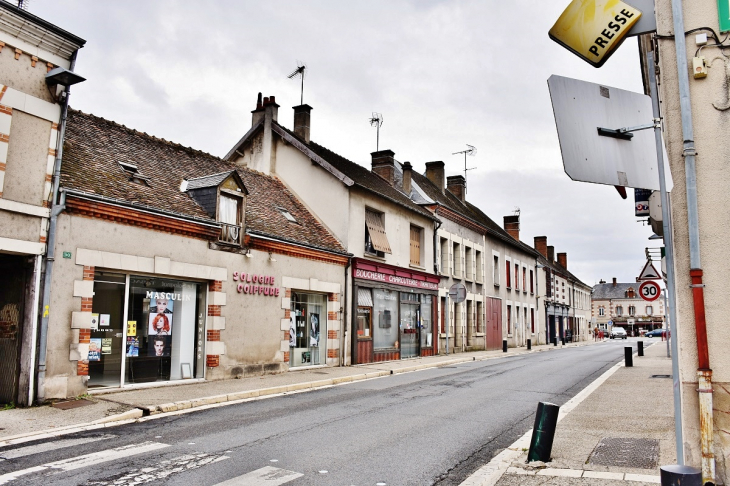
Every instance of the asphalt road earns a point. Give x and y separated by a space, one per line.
434 426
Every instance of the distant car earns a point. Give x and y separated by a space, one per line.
655 333
618 333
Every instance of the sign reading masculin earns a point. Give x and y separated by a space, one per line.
593 29
649 290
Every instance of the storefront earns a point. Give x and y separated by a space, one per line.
394 311
145 329
307 329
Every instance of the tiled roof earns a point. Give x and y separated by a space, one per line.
608 291
94 147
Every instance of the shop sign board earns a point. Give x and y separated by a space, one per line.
649 290
457 293
394 279
593 29
255 284
723 12
641 202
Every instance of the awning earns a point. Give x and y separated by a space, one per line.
374 223
364 298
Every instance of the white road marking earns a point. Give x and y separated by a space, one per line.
86 460
48 446
266 476
163 470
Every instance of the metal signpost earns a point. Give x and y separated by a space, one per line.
457 292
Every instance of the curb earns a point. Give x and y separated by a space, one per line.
144 412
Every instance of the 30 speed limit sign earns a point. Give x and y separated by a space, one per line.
649 290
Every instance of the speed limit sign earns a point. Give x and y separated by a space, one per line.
649 290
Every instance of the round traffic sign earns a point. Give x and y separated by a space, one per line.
649 290
457 292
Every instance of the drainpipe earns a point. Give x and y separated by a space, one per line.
344 315
704 372
56 209
437 225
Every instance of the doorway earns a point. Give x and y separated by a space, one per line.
12 308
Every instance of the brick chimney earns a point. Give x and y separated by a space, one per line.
457 186
435 174
302 117
551 254
271 109
614 281
258 113
384 165
512 226
541 245
563 260
407 171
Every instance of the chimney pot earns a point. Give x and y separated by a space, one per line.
258 113
614 281
563 260
435 174
383 164
302 118
407 170
551 254
512 226
457 186
541 245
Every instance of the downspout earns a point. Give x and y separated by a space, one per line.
704 372
437 225
56 209
343 346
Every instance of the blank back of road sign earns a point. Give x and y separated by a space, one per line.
580 108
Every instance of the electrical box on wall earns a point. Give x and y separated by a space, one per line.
699 67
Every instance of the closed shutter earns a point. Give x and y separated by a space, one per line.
415 246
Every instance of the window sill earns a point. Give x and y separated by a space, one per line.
373 257
417 267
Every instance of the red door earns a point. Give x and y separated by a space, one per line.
494 323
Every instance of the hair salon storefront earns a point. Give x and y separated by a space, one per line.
394 312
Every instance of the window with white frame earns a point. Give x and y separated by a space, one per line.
496 269
445 260
619 310
376 242
517 276
468 263
601 311
649 310
632 310
479 277
457 266
508 280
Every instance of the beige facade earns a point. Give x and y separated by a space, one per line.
708 98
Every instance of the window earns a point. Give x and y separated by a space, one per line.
649 310
517 276
229 214
632 310
364 314
445 256
480 317
532 282
508 282
532 320
509 319
376 243
415 246
524 279
457 261
468 263
619 310
601 311
287 215
134 175
495 270
479 277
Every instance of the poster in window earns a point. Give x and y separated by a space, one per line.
314 330
104 320
132 346
160 324
292 333
131 328
95 349
106 345
94 322
159 346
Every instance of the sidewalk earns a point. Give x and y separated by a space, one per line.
115 407
617 434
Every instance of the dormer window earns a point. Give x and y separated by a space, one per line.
223 197
134 174
229 214
287 215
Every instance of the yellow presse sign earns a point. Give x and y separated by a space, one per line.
593 29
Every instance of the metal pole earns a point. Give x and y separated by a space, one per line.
666 318
669 245
446 318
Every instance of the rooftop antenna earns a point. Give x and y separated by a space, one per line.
23 4
516 211
471 151
299 71
377 121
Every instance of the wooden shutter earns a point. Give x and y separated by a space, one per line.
374 224
415 246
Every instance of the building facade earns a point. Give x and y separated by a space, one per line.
619 304
32 105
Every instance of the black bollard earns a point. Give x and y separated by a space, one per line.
529 344
504 345
543 433
629 356
555 340
680 476
562 340
641 348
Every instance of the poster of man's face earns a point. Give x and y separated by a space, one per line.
158 346
314 330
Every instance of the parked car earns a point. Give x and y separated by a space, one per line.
618 333
655 333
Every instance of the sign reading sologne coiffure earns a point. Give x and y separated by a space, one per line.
394 279
593 29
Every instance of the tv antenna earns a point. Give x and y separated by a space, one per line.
23 4
471 151
299 71
377 121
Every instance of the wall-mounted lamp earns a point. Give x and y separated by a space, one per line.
271 257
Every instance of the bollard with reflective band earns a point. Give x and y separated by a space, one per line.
641 348
529 344
543 433
680 476
504 345
629 356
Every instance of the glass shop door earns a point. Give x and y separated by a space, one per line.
409 332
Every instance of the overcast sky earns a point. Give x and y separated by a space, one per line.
443 74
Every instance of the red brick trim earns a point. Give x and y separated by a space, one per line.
33 60
331 334
86 304
333 353
88 273
216 286
213 336
131 217
333 297
18 52
84 336
212 361
286 356
332 316
49 67
5 109
296 251
287 293
214 310
82 368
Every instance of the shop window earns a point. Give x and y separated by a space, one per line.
426 322
649 310
376 242
385 319
364 314
307 329
416 245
